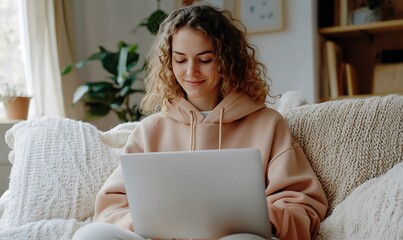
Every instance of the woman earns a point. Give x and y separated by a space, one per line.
206 90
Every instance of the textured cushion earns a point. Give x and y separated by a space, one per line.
374 210
349 141
3 201
59 165
289 100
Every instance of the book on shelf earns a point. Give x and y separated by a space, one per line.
351 79
388 78
324 75
341 12
335 68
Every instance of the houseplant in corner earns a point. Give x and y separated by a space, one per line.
113 93
15 100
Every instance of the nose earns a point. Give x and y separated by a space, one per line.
192 68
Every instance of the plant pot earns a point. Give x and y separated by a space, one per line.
366 15
17 108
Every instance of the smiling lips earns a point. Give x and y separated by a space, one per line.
194 83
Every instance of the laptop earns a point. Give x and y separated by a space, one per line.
204 194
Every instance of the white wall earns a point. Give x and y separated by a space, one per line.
105 23
290 55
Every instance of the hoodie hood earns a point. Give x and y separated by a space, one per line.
231 108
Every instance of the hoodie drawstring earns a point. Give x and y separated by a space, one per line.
193 130
220 128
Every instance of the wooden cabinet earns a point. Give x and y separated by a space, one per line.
360 45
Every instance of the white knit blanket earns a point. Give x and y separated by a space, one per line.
59 165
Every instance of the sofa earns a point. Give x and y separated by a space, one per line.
355 146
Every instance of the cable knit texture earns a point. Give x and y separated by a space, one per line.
374 210
59 165
349 141
352 145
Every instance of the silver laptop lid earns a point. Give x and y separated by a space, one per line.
204 194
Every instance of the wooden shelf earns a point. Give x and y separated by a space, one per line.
358 96
9 121
390 26
360 47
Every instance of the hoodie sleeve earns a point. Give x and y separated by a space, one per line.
296 200
111 205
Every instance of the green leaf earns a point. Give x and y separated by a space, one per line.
124 91
94 57
110 62
97 109
98 56
132 48
100 92
82 63
122 115
155 20
132 60
100 86
137 91
122 71
117 103
67 70
135 113
105 96
144 23
121 44
80 92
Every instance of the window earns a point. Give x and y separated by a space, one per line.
11 58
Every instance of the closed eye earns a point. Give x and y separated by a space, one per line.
180 61
206 61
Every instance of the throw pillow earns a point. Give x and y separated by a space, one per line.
59 165
373 210
349 141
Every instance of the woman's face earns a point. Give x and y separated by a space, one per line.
195 67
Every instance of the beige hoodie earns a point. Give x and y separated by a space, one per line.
295 198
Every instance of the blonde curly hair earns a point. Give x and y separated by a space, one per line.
238 67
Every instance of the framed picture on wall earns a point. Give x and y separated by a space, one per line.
223 4
260 16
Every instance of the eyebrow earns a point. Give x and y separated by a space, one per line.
201 53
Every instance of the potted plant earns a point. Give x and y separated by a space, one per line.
15 100
113 93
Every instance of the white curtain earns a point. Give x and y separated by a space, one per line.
41 58
65 35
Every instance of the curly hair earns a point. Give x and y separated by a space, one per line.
238 67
